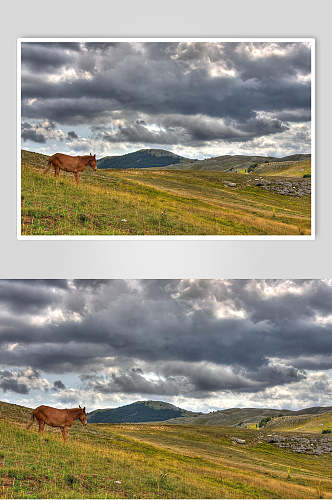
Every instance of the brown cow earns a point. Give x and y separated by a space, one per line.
74 164
57 418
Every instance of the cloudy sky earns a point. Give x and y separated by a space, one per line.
195 99
200 344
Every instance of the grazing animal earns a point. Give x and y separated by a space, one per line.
74 164
54 417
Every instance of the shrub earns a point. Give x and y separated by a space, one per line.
326 431
71 480
306 176
252 167
264 421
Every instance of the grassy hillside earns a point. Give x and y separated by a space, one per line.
143 158
245 416
303 423
15 413
141 411
153 461
284 168
154 202
241 164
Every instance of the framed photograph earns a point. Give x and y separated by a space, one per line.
157 138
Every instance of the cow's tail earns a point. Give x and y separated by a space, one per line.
49 166
33 417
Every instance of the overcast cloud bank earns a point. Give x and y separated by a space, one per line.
198 99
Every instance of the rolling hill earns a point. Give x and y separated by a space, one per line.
163 159
141 411
150 411
144 158
304 422
264 165
298 168
247 416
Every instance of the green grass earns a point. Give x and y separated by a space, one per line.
154 202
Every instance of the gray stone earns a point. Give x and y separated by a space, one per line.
238 441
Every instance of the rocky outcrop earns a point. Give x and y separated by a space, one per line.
312 445
290 187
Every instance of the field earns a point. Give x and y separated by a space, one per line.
154 202
152 461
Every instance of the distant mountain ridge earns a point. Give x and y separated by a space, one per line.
144 158
140 411
246 416
237 163
163 159
158 411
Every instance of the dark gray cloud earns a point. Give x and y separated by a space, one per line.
59 385
40 132
72 135
21 381
181 129
168 93
29 296
192 380
29 133
8 382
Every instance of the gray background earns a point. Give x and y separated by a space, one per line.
166 259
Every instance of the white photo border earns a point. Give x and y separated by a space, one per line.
312 236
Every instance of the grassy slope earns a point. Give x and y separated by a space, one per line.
154 202
291 169
240 164
246 416
152 461
304 423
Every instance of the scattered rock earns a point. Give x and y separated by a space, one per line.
301 444
238 441
230 184
296 187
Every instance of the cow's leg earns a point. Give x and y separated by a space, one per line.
56 171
